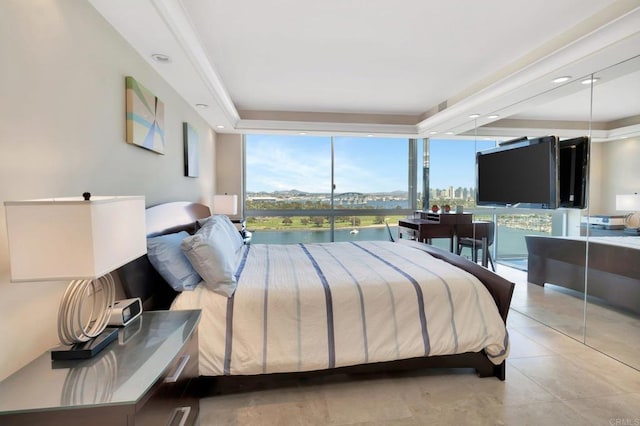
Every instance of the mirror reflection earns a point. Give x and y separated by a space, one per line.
580 272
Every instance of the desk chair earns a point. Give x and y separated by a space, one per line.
472 238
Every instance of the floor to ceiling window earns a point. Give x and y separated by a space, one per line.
316 188
452 171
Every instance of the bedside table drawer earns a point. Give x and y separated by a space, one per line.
168 402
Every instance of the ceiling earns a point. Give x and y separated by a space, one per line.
408 68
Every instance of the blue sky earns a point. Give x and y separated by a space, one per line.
277 162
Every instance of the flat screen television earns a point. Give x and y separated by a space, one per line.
519 174
573 172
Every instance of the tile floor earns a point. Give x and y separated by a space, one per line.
552 379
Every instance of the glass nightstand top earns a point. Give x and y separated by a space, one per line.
120 374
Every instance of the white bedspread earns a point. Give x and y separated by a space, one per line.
315 306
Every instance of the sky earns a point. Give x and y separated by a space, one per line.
362 164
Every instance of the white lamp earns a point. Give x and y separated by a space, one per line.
225 204
630 202
79 239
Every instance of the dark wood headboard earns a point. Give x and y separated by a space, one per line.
139 278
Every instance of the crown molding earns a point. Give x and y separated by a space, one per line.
178 22
325 128
613 41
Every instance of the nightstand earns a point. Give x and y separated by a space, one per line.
141 379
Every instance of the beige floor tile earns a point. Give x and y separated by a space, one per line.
268 407
454 388
537 414
608 369
552 339
522 346
564 378
611 410
365 401
516 319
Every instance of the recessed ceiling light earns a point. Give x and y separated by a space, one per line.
159 57
433 133
202 106
562 79
302 133
589 80
219 126
474 116
493 116
369 136
449 133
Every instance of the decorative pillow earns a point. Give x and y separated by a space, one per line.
166 256
229 227
212 254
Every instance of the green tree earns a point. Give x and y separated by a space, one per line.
287 221
317 221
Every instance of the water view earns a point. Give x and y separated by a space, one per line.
510 243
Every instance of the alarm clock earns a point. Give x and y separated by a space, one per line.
125 311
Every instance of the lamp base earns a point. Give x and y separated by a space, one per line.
86 349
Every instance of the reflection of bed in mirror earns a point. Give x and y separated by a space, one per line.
613 267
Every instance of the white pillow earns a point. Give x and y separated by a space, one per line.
212 254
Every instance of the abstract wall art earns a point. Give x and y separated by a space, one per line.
190 150
145 117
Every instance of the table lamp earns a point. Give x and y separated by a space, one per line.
225 204
630 202
81 239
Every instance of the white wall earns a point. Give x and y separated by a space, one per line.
62 129
620 162
229 171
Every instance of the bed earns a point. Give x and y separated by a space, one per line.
613 267
337 307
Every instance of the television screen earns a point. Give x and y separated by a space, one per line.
573 169
519 174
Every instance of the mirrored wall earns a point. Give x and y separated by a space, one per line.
584 279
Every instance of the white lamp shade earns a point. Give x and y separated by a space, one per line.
628 202
70 238
225 204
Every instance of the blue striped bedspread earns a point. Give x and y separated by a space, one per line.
305 307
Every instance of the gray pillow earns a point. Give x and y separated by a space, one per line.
166 256
212 254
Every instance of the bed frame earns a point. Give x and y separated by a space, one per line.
139 279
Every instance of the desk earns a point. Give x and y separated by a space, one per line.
447 225
424 230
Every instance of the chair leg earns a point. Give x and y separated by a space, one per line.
493 267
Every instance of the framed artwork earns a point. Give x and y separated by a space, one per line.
190 150
145 117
